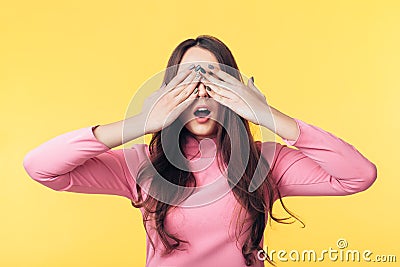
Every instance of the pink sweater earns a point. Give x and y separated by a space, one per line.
322 165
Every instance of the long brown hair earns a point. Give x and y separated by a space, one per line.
257 204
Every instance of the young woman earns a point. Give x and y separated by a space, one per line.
203 100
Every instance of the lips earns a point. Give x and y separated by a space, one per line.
201 111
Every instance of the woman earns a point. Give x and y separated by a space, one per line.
203 100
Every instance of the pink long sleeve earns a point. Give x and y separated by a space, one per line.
77 162
323 165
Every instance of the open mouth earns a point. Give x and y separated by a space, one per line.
202 112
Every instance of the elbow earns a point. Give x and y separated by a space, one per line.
31 168
370 176
365 181
28 165
54 182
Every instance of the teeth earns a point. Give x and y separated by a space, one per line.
202 112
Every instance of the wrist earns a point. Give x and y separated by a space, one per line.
134 127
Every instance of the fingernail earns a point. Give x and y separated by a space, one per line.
195 91
191 66
252 79
197 68
210 66
202 70
208 88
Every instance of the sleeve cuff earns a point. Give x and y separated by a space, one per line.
93 137
294 142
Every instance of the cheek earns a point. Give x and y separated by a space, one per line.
184 116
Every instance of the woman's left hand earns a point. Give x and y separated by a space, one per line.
247 101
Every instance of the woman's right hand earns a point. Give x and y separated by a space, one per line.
165 105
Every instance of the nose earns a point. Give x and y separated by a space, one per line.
202 90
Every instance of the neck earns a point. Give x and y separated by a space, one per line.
201 137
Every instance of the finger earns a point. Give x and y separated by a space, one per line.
162 92
173 93
188 89
217 72
180 76
220 99
222 84
181 106
216 81
220 90
189 80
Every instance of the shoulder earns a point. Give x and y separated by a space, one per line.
131 157
137 152
273 152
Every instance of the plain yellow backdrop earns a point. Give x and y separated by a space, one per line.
70 64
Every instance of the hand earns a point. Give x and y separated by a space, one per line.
247 101
165 105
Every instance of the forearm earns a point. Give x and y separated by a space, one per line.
117 133
281 124
322 164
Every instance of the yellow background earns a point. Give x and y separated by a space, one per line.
71 64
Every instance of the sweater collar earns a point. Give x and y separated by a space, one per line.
204 148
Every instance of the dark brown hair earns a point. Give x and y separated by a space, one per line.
258 204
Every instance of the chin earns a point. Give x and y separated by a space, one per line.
208 129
